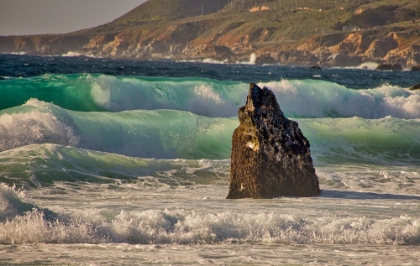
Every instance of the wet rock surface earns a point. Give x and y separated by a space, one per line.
270 156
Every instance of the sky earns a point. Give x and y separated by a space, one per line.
26 17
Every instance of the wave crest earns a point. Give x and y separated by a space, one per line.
20 129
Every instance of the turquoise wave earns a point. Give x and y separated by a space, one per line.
206 97
169 134
97 92
141 133
68 91
388 141
40 165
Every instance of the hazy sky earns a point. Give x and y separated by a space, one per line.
21 17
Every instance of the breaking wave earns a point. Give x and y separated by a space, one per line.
179 134
207 97
190 227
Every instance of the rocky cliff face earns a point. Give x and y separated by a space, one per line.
270 156
228 42
354 48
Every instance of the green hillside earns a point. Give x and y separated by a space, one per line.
289 20
169 10
290 31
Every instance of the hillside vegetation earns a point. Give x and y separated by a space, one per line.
169 10
288 31
287 20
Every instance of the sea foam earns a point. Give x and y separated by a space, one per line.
186 227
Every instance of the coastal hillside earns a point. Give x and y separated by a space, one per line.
297 32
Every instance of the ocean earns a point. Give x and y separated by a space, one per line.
126 162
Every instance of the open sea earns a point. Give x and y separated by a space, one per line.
125 162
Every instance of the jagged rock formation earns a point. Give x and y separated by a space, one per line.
270 156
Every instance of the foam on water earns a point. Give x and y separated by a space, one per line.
72 54
368 65
190 227
18 53
213 61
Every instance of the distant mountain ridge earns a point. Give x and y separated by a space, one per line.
298 32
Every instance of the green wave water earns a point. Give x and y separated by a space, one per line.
68 91
39 165
142 133
206 97
135 164
179 134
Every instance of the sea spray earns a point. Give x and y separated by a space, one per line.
11 203
29 126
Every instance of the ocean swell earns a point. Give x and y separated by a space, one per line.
168 134
206 97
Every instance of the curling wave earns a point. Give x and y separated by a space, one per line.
206 97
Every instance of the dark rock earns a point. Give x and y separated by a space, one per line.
415 68
316 67
345 60
223 53
223 50
415 87
270 156
265 60
293 57
395 67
